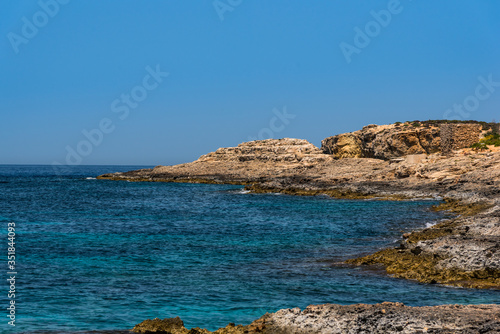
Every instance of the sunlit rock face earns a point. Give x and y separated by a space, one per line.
384 142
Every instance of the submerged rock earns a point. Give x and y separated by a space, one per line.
167 326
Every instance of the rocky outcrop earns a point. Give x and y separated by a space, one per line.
457 136
385 318
169 325
384 142
246 163
382 318
269 150
347 145
462 251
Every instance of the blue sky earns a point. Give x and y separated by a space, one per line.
233 66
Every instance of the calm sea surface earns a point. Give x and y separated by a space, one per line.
105 255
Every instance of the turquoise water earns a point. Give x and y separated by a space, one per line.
96 254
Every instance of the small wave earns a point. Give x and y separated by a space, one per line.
430 224
90 178
237 191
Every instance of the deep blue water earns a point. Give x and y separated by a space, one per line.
96 254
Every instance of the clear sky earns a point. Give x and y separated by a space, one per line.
89 78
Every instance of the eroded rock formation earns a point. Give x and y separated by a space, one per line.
385 318
457 136
269 150
384 142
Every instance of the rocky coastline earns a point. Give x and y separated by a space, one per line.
361 318
390 162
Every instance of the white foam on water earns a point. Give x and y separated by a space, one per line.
239 191
90 178
430 224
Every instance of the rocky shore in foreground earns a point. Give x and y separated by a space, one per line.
382 318
391 162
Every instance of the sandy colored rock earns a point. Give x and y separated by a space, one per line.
344 146
458 136
415 158
269 150
384 142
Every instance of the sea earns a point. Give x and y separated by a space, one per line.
98 255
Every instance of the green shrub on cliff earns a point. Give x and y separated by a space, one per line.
479 146
492 126
490 138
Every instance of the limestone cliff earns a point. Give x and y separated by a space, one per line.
384 142
402 139
269 150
